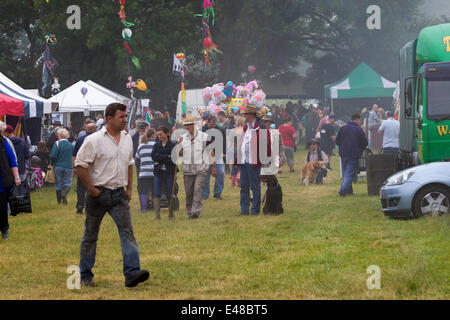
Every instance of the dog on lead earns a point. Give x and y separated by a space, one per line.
273 197
310 171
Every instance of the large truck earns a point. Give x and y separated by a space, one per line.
425 98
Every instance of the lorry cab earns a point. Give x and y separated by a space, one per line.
425 98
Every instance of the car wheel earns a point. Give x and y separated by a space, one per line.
431 201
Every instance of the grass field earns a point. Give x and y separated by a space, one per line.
319 249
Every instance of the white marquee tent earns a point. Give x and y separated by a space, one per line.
73 100
120 98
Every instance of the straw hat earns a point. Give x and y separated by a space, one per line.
267 118
250 110
190 119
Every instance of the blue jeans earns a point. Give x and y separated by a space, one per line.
218 184
158 180
63 177
349 166
95 211
250 180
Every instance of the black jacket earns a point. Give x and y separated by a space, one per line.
23 153
162 156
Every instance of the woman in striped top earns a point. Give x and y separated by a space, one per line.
145 165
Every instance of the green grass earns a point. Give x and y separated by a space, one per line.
319 249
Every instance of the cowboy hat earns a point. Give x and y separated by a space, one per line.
250 110
190 119
313 141
268 118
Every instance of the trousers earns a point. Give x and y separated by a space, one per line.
120 213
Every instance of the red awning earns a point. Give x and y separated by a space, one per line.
10 106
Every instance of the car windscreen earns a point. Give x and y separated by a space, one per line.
438 99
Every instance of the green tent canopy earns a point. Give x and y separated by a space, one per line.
363 82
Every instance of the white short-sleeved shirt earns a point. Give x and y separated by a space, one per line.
107 162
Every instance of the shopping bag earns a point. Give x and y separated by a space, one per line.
50 176
20 199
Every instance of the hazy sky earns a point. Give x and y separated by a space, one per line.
437 8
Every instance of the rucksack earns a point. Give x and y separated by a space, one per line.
35 179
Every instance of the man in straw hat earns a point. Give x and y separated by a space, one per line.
195 166
250 161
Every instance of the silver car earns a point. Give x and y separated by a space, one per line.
418 191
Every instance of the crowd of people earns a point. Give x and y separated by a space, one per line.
103 155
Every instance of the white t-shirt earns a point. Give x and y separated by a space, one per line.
391 133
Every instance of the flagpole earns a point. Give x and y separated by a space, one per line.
183 98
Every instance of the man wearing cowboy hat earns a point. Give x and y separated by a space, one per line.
195 166
250 161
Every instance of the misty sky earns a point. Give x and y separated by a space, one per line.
437 8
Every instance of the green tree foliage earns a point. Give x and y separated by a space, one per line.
274 35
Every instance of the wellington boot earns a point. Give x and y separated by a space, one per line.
143 199
157 205
58 196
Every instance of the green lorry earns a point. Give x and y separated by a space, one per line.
425 98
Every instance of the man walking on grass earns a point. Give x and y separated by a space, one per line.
105 166
352 142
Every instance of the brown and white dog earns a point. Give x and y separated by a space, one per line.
310 171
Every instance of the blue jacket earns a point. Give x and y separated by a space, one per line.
351 140
61 155
79 143
8 157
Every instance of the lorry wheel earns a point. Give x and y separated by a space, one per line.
431 201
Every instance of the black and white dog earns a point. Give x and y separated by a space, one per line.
273 197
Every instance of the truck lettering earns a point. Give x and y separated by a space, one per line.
443 130
447 42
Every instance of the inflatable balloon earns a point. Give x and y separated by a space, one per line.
237 103
207 95
51 39
213 108
181 56
208 44
127 33
258 99
252 86
217 93
242 92
84 91
228 91
142 86
251 69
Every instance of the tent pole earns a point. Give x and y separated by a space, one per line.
332 106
